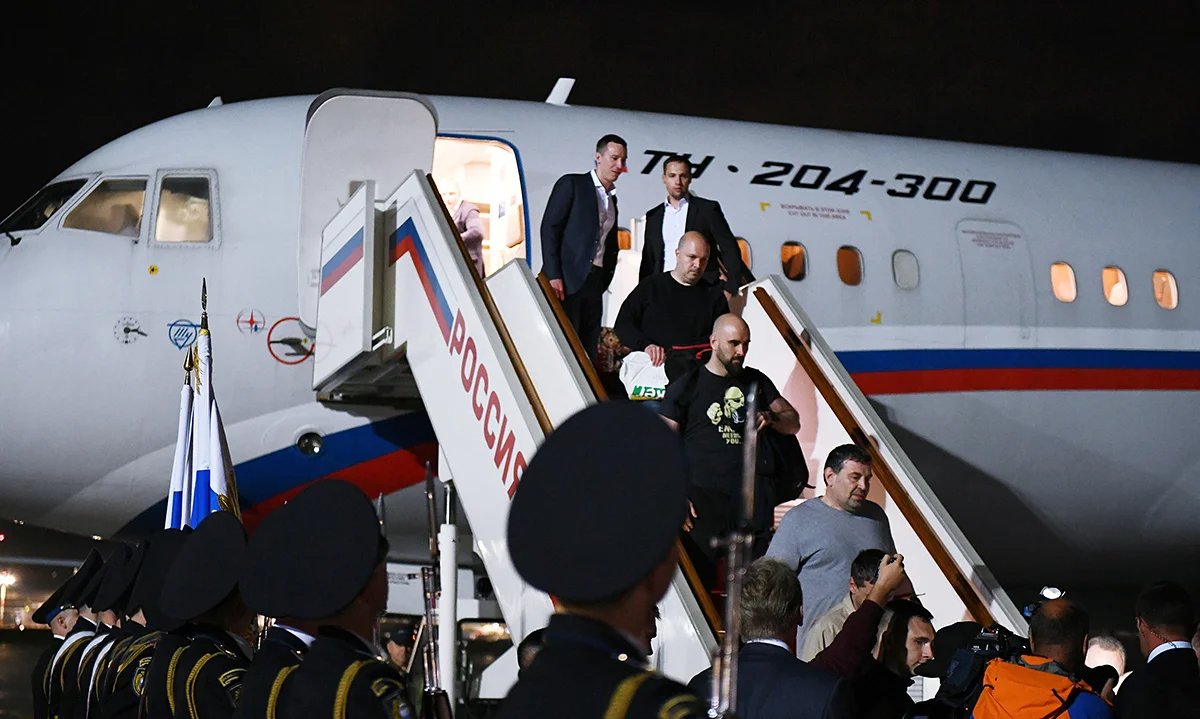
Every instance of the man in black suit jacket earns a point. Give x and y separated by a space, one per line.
579 239
1169 684
703 216
772 682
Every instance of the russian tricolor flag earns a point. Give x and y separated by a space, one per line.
202 479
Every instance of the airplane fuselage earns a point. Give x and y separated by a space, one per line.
1057 433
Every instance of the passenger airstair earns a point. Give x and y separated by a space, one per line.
402 317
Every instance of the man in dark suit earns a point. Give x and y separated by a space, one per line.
579 239
1169 684
772 682
685 212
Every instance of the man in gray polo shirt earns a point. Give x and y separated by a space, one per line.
821 537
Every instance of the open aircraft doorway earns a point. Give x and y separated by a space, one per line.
486 173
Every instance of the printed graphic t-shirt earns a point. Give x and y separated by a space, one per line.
711 413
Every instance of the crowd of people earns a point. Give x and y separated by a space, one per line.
831 625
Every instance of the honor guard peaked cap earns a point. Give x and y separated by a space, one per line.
314 555
600 504
67 595
87 595
147 590
119 579
206 568
119 555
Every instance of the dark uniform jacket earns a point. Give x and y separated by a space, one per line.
1169 686
78 707
340 676
703 216
280 649
156 701
207 682
119 687
66 668
40 678
588 669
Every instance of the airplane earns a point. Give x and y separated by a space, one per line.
1021 318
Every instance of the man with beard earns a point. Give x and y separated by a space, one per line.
707 406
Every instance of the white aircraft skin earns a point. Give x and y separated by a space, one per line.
1059 435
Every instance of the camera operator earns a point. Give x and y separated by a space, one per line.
1045 682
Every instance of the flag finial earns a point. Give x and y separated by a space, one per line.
204 305
188 366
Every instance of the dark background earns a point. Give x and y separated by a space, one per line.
1054 75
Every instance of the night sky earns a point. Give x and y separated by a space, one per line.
1045 75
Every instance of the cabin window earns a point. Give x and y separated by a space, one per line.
850 265
486 174
1116 291
114 207
794 258
42 206
747 255
1062 281
905 270
624 239
184 209
1166 292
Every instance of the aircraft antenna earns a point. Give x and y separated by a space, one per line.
204 306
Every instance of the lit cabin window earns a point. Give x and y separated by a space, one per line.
850 265
1116 291
747 256
905 270
1062 281
1166 292
794 259
624 239
184 210
42 206
114 207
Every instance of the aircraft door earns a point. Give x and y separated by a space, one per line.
352 136
999 307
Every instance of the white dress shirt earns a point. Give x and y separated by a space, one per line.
1166 647
607 217
674 221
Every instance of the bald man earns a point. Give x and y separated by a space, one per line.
707 406
669 314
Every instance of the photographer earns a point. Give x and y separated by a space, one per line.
1047 681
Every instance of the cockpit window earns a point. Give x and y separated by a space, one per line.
113 207
184 210
42 206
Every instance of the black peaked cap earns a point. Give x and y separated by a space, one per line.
600 504
118 580
314 555
206 569
87 595
164 546
67 595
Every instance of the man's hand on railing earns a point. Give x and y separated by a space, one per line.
557 286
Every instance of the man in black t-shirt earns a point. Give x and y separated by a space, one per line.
708 407
669 314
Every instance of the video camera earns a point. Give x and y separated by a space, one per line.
964 676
